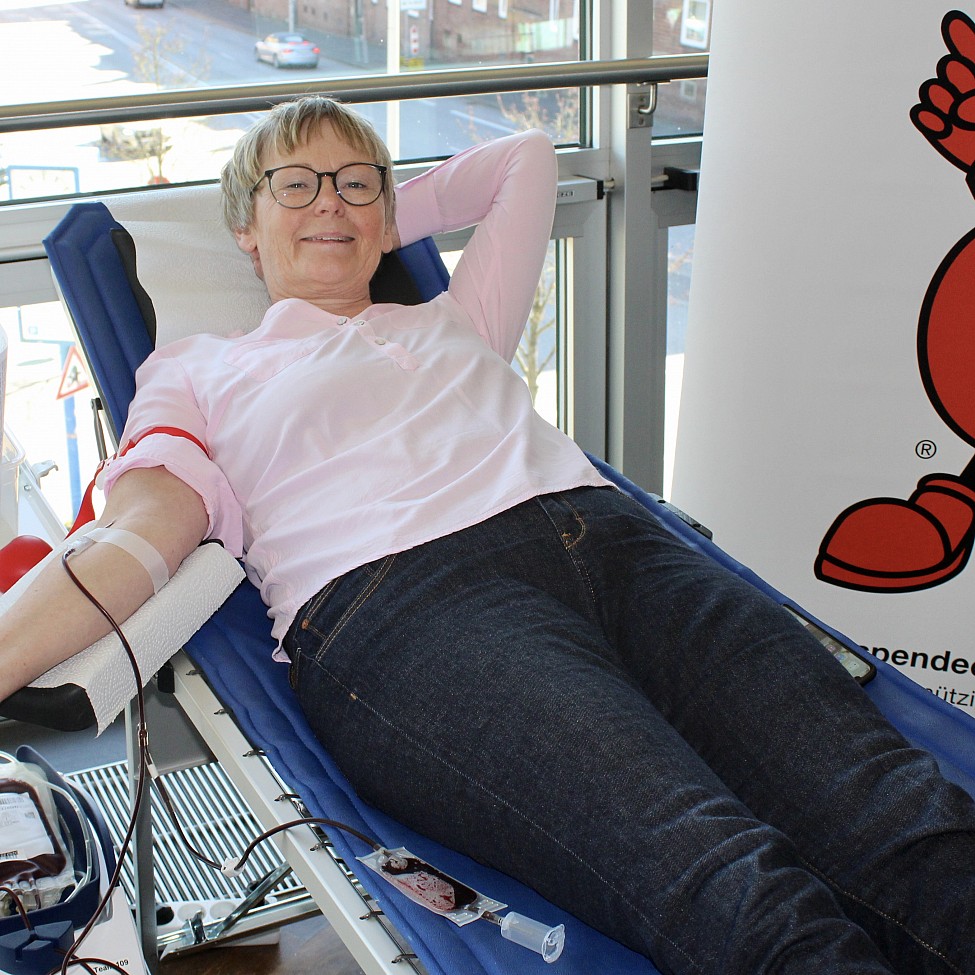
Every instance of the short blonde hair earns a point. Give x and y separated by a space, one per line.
285 128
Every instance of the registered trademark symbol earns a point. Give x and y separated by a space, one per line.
925 449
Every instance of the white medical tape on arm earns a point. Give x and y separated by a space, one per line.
141 550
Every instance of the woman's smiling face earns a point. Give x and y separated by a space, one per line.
327 252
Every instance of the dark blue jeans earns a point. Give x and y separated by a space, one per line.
571 695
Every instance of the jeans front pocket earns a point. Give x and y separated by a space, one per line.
322 620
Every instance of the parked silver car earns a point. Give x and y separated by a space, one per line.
292 50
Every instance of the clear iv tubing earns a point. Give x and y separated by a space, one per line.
71 956
89 841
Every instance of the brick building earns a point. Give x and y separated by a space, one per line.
438 32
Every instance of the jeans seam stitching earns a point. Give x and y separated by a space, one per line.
576 560
458 771
570 546
316 603
917 939
360 600
580 521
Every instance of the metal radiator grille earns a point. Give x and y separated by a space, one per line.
214 818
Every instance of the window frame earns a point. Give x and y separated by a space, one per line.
617 357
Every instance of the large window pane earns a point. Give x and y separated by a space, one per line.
681 27
430 127
103 47
537 359
47 407
99 48
89 159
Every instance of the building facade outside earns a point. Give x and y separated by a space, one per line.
438 32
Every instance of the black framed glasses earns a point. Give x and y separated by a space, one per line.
358 184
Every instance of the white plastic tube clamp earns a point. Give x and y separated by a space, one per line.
547 941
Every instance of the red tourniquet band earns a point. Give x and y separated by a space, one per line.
86 512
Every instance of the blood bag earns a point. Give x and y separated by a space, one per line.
35 860
431 888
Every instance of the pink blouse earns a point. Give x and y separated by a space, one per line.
336 441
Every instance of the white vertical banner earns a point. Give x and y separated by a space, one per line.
827 426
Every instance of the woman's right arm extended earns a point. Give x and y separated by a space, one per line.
53 620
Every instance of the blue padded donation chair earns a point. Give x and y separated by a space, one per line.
95 261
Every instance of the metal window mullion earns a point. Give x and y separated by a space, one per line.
637 332
586 314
